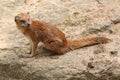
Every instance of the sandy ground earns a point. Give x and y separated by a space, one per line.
76 18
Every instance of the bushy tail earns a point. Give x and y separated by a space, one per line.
74 44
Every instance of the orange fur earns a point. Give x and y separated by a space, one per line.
54 39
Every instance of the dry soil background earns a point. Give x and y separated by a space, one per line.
77 19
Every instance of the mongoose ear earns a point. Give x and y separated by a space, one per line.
16 18
28 14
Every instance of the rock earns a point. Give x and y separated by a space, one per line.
116 20
81 16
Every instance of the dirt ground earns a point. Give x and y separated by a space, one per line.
77 19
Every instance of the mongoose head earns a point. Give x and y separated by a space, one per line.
23 19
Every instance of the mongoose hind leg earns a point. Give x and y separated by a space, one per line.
56 46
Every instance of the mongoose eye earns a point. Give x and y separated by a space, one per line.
22 21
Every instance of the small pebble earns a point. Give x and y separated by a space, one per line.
90 65
113 52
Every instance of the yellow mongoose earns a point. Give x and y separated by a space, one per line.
54 39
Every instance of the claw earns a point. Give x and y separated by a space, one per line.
31 55
29 52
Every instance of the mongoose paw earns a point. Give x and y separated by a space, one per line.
29 52
31 55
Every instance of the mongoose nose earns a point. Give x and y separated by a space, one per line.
28 24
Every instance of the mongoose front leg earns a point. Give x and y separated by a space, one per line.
30 48
34 47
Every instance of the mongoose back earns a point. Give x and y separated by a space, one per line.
53 39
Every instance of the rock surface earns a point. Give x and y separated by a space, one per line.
77 19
